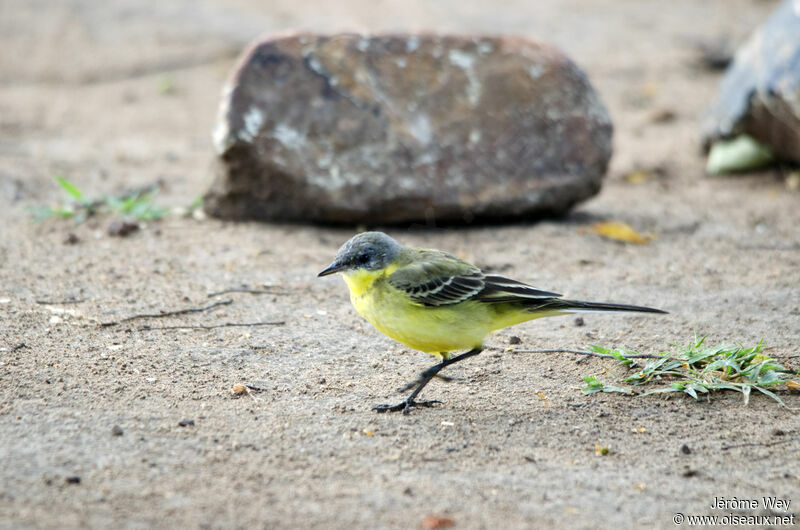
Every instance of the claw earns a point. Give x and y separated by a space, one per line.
423 379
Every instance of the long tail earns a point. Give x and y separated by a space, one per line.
577 306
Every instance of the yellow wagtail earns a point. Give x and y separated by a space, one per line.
437 303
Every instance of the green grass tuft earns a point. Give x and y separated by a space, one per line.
699 371
136 204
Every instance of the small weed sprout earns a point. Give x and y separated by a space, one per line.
136 204
698 371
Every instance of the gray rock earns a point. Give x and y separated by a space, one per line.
403 128
760 92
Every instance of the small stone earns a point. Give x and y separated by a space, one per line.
116 430
579 322
71 239
73 480
406 128
662 116
513 339
186 423
716 54
122 228
778 432
685 449
432 522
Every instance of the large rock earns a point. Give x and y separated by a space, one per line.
400 128
760 93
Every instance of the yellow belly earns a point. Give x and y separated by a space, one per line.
435 330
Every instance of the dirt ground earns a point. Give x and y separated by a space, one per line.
119 94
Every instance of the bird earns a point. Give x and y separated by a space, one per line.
437 303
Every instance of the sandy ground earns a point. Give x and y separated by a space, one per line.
82 94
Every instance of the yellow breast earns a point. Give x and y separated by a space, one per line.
436 330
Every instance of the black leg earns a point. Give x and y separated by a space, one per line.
424 379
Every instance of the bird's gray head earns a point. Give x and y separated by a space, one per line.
369 250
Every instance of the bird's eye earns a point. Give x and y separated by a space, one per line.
362 259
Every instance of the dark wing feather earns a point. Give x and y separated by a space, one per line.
499 289
434 278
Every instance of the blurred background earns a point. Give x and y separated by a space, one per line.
126 91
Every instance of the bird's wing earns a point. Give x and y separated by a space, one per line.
434 278
500 289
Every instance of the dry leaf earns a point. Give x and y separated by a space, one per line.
639 430
541 395
649 89
619 231
434 521
793 181
793 385
368 432
238 389
638 176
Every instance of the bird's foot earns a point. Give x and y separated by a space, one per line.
404 406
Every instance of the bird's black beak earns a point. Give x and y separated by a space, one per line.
331 269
